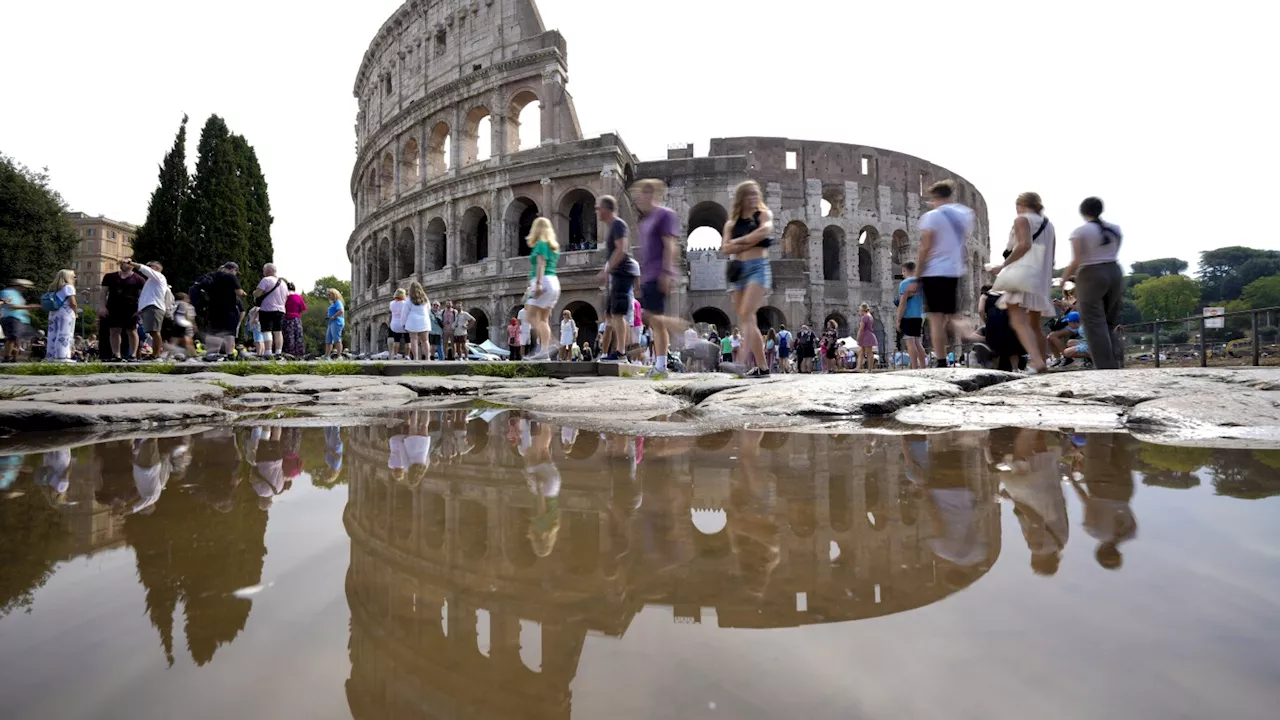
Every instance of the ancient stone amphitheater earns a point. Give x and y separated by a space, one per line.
449 176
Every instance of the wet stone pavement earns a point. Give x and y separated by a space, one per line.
477 563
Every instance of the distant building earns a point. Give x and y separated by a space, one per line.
103 244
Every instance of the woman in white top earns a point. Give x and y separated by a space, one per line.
1026 276
417 322
399 338
62 322
568 335
1099 282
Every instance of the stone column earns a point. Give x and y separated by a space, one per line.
396 152
453 250
817 284
423 129
552 91
419 245
455 141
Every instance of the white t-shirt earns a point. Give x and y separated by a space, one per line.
690 338
397 315
417 450
155 291
150 482
1092 250
396 459
523 317
567 331
275 292
946 258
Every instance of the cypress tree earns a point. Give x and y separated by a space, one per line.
258 205
161 237
216 223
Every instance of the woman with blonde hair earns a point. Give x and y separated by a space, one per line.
398 339
543 478
417 322
336 322
866 340
568 335
63 306
544 285
746 240
1026 275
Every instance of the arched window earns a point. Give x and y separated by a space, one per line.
438 152
833 253
477 141
435 245
795 240
387 179
475 235
410 164
524 122
404 255
518 221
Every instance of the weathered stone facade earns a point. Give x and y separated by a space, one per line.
430 207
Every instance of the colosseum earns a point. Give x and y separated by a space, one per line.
466 133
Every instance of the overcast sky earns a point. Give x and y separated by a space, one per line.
1166 111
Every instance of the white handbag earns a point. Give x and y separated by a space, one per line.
1023 275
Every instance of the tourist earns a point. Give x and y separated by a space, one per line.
462 324
586 352
998 335
526 332
866 340
435 336
806 348
544 285
333 451
941 260
770 349
15 320
726 348
1026 275
911 314
1032 482
637 344
785 341
270 296
417 448
294 342
830 344
63 306
335 322
184 319
447 317
255 330
1100 286
153 303
1108 475
544 480
395 458
223 291
747 240
1059 339
736 346
119 310
568 334
659 239
398 340
416 321
513 338
619 277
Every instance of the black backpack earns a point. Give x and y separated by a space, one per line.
199 293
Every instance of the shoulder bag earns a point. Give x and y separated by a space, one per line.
1023 275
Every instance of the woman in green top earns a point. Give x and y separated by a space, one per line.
544 286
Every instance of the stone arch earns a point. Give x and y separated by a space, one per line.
370 264
438 151
832 204
517 118
480 331
518 221
475 235
714 317
901 252
833 253
867 240
435 245
405 255
708 214
769 317
384 332
842 325
475 146
384 260
387 179
473 529
410 163
628 175
577 207
795 240
588 321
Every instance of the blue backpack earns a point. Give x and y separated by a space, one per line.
51 301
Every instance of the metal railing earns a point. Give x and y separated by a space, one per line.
1203 343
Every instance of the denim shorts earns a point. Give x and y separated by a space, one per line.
333 334
756 272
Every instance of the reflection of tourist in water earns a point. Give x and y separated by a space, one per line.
754 534
265 453
54 476
544 482
1107 492
217 454
416 449
333 449
954 500
1032 482
150 474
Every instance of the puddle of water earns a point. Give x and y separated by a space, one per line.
480 565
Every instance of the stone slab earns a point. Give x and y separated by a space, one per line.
827 395
174 391
24 416
1014 411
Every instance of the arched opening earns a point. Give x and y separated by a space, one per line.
384 332
370 266
801 517
708 214
901 252
480 331
371 197
703 239
585 446
579 206
842 325
833 253
713 317
867 238
384 261
518 221
795 240
769 317
838 497
475 235
387 179
473 529
435 245
404 255
524 122
587 320
832 203
477 140
438 151
410 164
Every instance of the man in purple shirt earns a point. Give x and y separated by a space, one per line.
659 232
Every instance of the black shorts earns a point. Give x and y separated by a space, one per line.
912 327
399 337
224 321
15 329
940 294
618 298
120 319
271 321
652 299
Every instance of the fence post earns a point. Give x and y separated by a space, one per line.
1257 345
1155 342
1204 343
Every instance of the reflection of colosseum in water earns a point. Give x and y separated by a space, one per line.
454 612
445 192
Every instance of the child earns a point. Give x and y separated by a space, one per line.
255 327
184 316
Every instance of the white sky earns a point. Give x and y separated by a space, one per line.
1161 109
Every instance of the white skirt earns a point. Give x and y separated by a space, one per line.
550 293
1031 302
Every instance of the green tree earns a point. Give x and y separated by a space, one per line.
1261 293
1167 298
1220 270
36 239
1130 313
257 203
1133 280
161 237
1159 267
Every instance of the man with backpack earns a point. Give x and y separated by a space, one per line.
942 261
785 342
806 348
220 294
